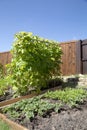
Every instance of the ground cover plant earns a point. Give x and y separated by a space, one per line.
28 111
70 96
34 61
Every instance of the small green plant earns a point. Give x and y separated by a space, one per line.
70 96
35 61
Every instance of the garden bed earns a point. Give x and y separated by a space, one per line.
51 111
6 124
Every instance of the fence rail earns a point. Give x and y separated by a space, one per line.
68 66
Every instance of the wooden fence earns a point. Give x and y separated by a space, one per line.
5 58
69 63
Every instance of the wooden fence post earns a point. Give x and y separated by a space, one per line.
78 57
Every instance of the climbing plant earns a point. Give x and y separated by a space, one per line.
35 60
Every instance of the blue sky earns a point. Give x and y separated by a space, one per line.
60 20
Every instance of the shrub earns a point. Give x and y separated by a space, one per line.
5 80
35 61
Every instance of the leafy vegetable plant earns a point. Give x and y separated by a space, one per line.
30 108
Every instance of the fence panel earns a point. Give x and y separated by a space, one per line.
5 58
68 66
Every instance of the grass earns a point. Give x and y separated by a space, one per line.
4 125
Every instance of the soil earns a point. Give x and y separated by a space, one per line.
66 119
7 96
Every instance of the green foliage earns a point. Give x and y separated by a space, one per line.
1 71
5 80
30 108
34 62
4 84
70 96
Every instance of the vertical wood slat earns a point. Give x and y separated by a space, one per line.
84 56
78 57
68 66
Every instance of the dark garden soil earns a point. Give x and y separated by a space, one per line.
66 119
7 96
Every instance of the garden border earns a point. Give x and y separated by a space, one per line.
13 124
10 101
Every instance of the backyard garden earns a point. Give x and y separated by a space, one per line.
33 93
